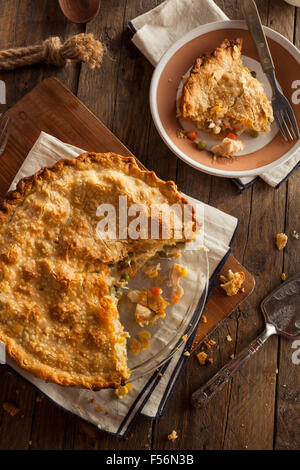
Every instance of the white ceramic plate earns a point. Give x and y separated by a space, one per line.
260 155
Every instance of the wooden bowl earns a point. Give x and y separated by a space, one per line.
80 11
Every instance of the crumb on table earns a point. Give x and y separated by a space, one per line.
202 356
281 241
173 436
232 282
283 276
11 408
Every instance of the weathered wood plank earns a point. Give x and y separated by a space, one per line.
288 399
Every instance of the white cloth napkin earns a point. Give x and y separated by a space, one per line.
150 394
158 29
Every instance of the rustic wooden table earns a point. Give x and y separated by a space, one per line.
260 408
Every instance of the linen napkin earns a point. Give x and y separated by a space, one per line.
158 29
150 394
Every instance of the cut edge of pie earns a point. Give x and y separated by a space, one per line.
24 278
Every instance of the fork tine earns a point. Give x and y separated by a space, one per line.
283 114
286 114
294 120
277 117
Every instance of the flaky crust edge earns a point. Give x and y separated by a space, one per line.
204 60
10 202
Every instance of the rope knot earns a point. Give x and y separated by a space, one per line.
52 52
82 47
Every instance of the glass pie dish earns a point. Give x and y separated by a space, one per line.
181 319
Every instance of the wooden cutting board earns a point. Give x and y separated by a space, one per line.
51 107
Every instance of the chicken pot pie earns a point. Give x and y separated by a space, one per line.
221 95
60 279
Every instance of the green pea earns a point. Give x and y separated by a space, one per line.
253 73
125 277
254 133
115 292
126 261
201 145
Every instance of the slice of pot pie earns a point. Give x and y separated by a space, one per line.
60 276
221 95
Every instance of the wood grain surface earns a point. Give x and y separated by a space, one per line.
260 408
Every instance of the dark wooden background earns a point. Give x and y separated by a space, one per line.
260 408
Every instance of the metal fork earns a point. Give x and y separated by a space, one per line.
5 128
283 111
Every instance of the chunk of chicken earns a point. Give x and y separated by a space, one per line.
228 147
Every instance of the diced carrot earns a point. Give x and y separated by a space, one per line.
156 291
175 298
132 271
232 136
192 135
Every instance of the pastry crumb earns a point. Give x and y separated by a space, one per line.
204 319
295 235
123 390
135 346
281 241
229 339
180 133
232 282
184 338
231 356
202 356
283 276
173 436
186 353
11 408
144 337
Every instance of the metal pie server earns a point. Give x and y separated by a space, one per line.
281 310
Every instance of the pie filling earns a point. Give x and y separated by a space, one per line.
60 282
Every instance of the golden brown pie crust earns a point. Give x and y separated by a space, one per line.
220 88
57 318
